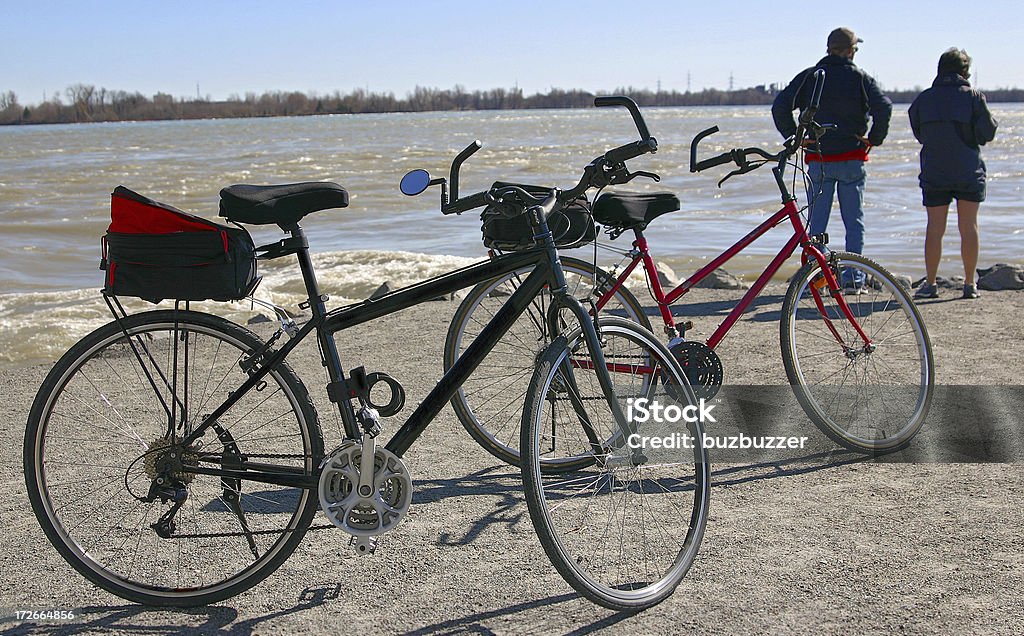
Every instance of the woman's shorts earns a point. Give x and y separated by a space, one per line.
932 197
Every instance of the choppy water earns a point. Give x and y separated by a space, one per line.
55 183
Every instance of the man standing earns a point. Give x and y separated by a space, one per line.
835 165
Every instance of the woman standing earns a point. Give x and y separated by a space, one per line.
952 122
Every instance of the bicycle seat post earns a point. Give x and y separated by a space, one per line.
316 303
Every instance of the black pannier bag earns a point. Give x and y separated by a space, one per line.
506 227
155 251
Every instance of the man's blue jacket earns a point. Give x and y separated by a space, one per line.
848 97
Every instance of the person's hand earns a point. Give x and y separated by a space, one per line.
864 140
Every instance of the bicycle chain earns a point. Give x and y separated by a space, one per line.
214 535
277 456
264 456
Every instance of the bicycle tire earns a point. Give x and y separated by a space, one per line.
617 529
489 404
97 430
870 401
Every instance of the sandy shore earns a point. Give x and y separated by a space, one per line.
826 545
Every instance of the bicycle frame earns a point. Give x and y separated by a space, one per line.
641 255
546 271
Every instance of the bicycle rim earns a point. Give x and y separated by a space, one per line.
624 530
98 433
870 399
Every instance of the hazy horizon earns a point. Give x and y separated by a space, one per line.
216 50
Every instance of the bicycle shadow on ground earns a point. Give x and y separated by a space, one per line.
517 616
133 619
501 482
714 307
138 619
805 464
497 480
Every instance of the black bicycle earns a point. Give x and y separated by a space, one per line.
174 458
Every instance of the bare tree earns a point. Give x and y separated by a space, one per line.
82 97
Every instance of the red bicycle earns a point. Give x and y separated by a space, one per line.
858 356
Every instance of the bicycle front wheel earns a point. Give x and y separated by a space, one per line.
624 530
871 396
110 482
489 404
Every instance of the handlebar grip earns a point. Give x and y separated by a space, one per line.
453 175
725 157
819 84
631 150
807 116
615 100
696 166
634 110
458 206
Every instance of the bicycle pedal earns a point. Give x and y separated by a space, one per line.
364 545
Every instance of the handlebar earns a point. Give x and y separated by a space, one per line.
739 157
634 110
736 155
459 206
790 147
545 204
606 169
453 176
807 116
631 151
697 166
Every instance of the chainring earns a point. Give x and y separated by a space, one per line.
702 366
364 516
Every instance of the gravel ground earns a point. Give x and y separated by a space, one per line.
828 543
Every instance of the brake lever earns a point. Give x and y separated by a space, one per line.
623 175
643 173
749 167
818 130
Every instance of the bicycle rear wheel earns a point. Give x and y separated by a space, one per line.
869 398
624 530
489 404
104 430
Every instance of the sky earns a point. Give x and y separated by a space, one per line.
219 49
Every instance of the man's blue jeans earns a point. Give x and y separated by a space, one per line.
844 179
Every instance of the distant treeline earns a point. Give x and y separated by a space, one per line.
86 103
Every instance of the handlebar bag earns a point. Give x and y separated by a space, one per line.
155 251
506 226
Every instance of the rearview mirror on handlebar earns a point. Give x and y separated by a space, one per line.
415 182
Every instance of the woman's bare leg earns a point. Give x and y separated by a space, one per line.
933 240
970 245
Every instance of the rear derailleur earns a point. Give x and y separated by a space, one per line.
166 489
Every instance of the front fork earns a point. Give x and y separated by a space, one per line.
816 248
594 342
